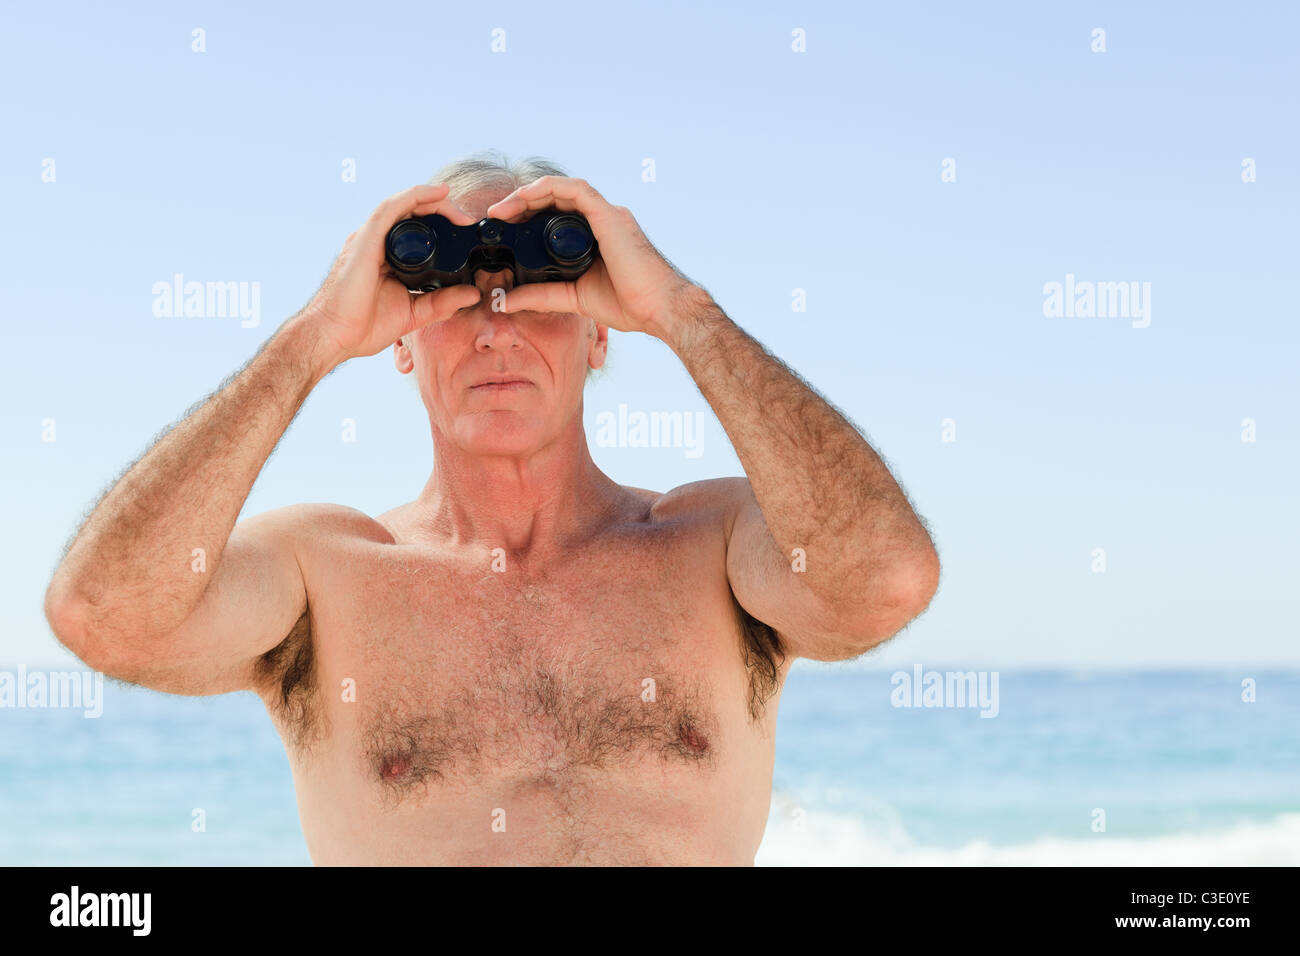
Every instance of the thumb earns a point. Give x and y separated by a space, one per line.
442 303
540 297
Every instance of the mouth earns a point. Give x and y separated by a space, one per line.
502 383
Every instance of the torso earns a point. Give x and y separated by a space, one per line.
612 707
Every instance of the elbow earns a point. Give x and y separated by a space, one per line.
911 585
65 617
68 624
71 623
901 595
920 582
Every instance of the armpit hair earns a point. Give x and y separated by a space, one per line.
763 653
286 675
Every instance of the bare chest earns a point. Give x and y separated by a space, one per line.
437 673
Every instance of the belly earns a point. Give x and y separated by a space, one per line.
582 817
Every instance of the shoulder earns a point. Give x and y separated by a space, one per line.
714 499
316 521
699 508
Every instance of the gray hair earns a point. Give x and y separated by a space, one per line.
492 169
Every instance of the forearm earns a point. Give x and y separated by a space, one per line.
819 484
133 568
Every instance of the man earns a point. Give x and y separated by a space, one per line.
528 663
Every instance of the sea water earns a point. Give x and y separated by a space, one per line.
1074 768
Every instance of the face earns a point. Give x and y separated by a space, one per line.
497 383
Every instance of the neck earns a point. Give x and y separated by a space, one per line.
532 504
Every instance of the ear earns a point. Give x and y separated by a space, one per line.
598 344
402 357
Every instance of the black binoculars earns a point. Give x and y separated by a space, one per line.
429 252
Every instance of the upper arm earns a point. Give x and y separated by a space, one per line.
780 589
760 576
256 594
767 582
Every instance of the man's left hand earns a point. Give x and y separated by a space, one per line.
630 287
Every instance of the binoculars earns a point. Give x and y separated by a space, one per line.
429 252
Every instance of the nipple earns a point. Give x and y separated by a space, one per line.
394 767
692 739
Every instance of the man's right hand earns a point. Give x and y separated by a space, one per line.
361 309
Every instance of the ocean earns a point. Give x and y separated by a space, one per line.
1170 767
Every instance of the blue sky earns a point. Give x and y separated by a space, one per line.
775 171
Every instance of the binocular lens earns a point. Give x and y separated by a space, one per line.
567 239
411 244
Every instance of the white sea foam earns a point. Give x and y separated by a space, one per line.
833 839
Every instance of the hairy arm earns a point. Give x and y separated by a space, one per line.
815 484
159 587
817 497
159 547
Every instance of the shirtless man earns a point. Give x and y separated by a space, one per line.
528 663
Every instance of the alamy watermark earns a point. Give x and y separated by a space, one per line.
923 688
651 430
1101 300
74 690
130 910
208 300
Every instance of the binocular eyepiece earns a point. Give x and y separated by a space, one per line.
429 252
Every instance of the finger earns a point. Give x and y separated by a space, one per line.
541 297
442 304
445 208
548 191
402 204
425 199
562 192
392 209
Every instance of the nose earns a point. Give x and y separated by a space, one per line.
496 331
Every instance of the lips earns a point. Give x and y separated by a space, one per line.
498 383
